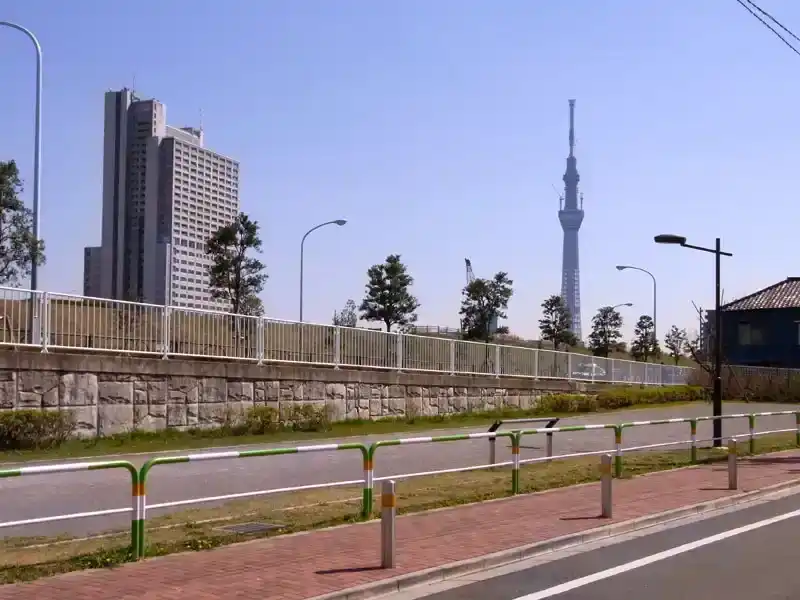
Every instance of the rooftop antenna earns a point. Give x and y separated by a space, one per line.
201 120
133 84
571 127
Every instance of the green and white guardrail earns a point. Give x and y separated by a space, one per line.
367 482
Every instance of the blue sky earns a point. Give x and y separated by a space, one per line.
438 128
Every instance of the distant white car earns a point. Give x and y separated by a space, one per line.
589 370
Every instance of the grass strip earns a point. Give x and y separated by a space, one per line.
24 559
136 442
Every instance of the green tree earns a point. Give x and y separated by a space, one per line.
644 344
19 248
556 323
483 302
388 297
675 341
348 316
234 275
606 331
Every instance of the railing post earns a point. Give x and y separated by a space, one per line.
605 486
797 426
137 522
497 367
399 351
516 440
337 346
165 332
536 363
733 466
260 340
569 366
693 451
452 357
44 317
388 518
618 447
366 494
751 421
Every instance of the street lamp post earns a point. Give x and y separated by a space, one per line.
338 222
717 391
655 302
33 315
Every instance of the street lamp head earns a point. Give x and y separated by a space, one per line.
340 222
622 267
668 238
628 304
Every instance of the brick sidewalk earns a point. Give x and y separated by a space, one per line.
306 565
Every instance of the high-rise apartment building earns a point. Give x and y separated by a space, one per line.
91 271
164 195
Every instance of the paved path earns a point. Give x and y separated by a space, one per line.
690 561
303 566
39 496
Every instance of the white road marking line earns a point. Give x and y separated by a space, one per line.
653 558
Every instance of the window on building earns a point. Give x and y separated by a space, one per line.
750 335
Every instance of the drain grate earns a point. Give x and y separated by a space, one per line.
250 528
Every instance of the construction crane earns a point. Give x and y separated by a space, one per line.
470 273
470 279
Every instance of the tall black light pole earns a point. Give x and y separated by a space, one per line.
717 393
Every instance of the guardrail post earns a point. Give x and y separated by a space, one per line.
388 518
337 347
366 494
797 425
751 420
515 444
733 466
492 450
605 486
452 357
693 451
137 521
549 445
399 351
618 447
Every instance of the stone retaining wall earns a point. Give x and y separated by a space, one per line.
109 395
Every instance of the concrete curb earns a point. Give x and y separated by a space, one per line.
504 557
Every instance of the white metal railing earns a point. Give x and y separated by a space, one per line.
53 321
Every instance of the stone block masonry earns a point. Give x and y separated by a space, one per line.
109 395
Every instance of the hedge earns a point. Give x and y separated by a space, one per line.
35 429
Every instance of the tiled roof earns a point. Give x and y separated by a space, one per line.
784 294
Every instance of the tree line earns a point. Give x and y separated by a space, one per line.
238 277
388 300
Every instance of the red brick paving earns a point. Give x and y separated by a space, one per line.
307 565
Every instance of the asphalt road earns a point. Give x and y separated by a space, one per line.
741 555
78 492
